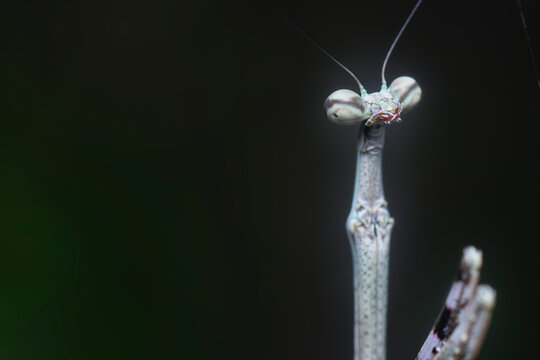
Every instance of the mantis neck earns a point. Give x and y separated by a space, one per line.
369 226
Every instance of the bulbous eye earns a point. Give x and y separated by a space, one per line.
345 107
407 91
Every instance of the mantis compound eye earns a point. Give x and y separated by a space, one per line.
407 91
345 107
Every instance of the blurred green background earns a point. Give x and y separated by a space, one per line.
171 189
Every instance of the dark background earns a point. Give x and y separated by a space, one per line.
171 189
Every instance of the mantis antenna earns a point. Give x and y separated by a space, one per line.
396 40
289 21
531 52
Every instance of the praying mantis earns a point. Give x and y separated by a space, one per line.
461 327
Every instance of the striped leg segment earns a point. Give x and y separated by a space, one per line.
460 329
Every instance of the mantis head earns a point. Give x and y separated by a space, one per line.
345 107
